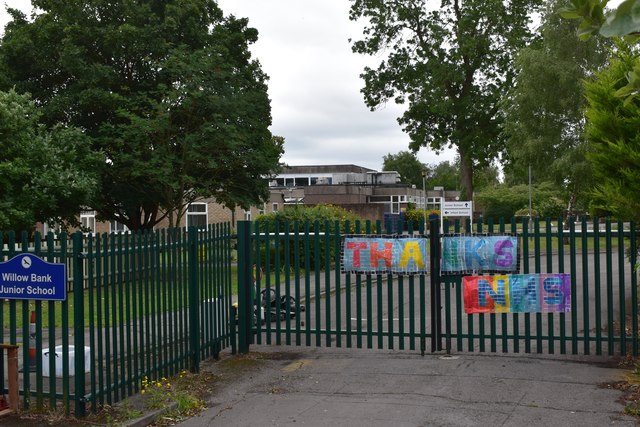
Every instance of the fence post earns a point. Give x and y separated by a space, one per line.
194 326
436 315
244 291
633 259
78 325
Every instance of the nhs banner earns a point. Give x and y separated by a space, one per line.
479 254
380 255
518 293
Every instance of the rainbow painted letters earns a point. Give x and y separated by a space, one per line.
518 293
378 255
477 254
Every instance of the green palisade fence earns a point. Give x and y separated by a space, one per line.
156 303
426 313
141 304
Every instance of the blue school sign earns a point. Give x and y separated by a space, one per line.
27 276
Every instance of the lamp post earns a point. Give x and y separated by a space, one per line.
424 197
530 210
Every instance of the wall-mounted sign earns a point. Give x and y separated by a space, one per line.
518 293
479 254
379 255
26 276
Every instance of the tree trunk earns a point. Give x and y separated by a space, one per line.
466 170
171 218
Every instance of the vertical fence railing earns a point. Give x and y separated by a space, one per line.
140 304
601 258
131 306
302 260
310 301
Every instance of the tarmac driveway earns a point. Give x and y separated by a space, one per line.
292 386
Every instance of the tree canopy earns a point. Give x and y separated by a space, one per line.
613 107
544 111
612 132
594 18
167 90
450 64
46 175
407 165
444 174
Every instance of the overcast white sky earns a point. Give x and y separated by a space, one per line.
314 83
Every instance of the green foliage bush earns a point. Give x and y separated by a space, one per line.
551 207
524 213
327 219
508 201
416 216
612 134
325 215
502 201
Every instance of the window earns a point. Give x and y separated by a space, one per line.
88 221
379 199
247 215
395 204
53 228
117 227
433 203
197 215
263 209
275 207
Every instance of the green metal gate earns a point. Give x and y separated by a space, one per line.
152 304
426 313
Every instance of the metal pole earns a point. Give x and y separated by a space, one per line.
530 212
194 301
78 312
245 303
424 198
436 308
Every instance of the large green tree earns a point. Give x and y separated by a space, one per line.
596 19
613 107
444 174
46 175
166 89
544 112
614 140
407 165
451 63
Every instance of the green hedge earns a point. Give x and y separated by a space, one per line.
321 218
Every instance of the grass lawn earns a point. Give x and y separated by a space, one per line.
127 301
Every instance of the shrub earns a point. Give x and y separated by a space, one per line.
416 216
327 219
551 207
506 202
524 213
325 215
502 201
